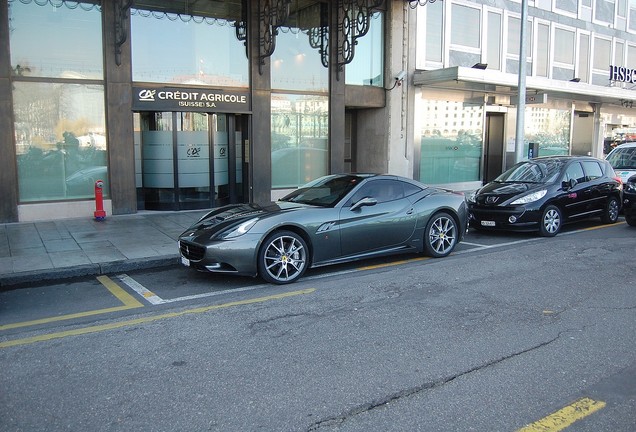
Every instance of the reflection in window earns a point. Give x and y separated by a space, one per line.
60 139
295 64
550 128
604 10
494 41
583 70
367 65
465 26
434 31
543 49
299 139
450 154
56 39
182 49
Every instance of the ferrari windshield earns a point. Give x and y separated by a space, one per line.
623 158
325 191
532 171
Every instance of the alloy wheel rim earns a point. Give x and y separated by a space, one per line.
285 258
442 235
613 210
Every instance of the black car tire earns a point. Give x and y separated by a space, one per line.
440 236
631 220
551 221
282 258
610 215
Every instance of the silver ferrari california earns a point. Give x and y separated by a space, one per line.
330 220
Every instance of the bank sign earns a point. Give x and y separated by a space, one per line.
190 99
622 74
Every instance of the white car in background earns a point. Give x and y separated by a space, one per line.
623 160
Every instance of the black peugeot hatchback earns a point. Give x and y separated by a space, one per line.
542 194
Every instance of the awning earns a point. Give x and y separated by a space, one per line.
497 83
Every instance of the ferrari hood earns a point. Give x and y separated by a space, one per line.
228 216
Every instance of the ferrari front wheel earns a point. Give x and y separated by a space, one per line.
282 258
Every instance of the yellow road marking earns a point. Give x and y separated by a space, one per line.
564 417
601 226
118 292
129 303
128 323
394 263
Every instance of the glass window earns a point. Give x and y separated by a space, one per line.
381 190
543 49
574 172
56 40
632 15
367 66
564 46
60 139
183 49
514 35
592 170
567 5
465 26
450 154
300 129
583 71
619 54
494 41
434 31
604 10
631 57
550 128
602 53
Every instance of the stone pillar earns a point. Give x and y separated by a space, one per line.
119 116
8 165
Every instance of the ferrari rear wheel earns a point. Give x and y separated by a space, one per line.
440 236
282 258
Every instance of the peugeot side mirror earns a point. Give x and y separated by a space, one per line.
569 184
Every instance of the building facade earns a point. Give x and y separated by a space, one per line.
580 56
181 105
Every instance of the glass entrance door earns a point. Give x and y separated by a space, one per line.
188 160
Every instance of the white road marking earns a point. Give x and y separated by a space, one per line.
473 244
156 300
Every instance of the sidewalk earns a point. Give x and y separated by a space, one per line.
46 251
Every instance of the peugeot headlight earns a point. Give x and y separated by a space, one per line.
534 196
471 197
238 230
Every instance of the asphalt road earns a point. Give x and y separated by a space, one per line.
510 331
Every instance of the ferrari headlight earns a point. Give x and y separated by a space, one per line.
239 230
534 196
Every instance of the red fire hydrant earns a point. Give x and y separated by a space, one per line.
100 214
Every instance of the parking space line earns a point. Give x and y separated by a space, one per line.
394 263
155 299
141 290
129 302
148 319
564 417
474 244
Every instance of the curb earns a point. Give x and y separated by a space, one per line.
8 281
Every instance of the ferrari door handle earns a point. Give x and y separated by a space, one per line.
410 211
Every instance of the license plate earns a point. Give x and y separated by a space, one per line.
185 261
488 223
